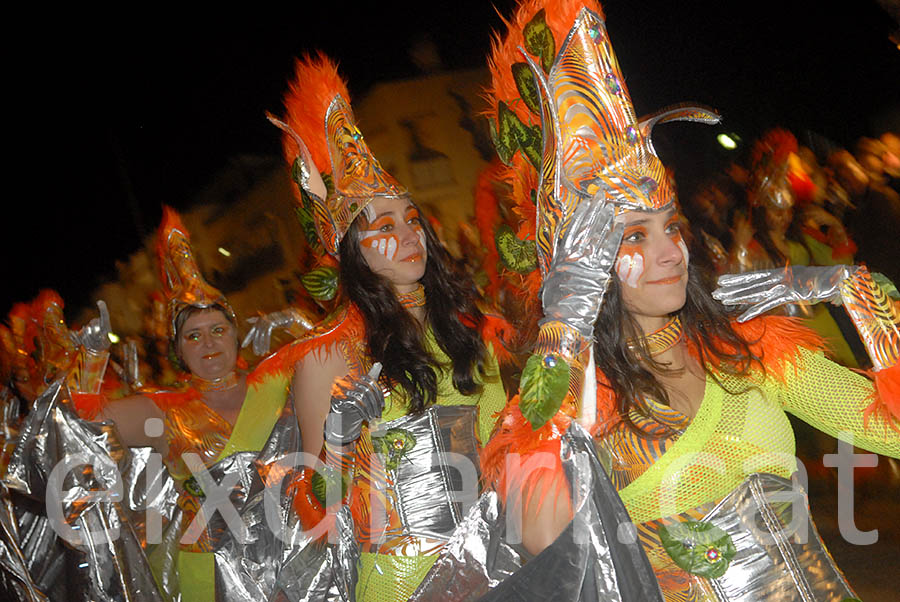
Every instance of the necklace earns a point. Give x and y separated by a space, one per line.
219 384
660 340
414 298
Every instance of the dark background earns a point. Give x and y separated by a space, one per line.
109 115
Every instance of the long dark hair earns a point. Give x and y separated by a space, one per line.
396 339
706 324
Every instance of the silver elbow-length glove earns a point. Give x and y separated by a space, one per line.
581 267
94 337
353 402
764 290
260 335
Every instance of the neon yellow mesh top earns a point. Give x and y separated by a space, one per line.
739 430
387 577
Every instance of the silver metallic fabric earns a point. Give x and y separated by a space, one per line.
260 336
767 289
589 560
107 560
780 556
95 336
85 535
430 494
579 270
354 402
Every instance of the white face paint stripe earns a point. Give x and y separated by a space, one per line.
630 268
385 245
370 213
684 251
391 248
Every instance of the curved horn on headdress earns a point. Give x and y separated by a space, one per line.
183 284
320 132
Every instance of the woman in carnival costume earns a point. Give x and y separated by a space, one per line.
225 429
689 409
400 372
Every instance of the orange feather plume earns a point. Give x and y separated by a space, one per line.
559 16
171 220
315 84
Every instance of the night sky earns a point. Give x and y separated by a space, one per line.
113 115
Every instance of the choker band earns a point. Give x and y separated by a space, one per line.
414 298
220 384
660 340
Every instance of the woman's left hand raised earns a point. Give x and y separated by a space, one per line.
764 290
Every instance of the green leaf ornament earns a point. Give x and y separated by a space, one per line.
326 478
544 384
393 446
321 283
527 87
516 254
539 40
699 548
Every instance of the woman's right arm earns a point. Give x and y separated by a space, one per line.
139 421
314 376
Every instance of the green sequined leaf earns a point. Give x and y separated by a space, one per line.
539 40
297 172
321 283
531 142
516 254
304 216
325 478
502 136
192 486
886 285
393 445
699 548
509 134
544 384
527 87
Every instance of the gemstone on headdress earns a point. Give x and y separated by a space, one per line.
631 134
612 84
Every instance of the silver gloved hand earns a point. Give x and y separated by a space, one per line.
260 335
353 402
95 336
579 272
767 289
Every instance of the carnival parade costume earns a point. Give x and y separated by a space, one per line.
707 495
397 508
122 560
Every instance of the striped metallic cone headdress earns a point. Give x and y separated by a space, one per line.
335 171
183 284
592 143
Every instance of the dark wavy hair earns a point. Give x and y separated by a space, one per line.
706 324
396 339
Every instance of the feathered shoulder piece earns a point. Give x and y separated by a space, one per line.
344 327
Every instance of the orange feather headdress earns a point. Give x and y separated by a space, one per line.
336 173
560 108
183 284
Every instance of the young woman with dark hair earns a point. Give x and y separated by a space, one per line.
399 380
687 404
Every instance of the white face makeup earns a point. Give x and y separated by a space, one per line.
383 244
630 268
652 265
392 240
